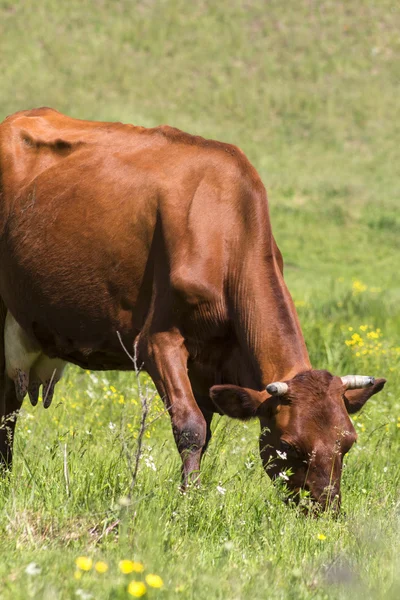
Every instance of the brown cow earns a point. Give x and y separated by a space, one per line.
165 238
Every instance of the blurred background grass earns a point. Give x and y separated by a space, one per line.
310 91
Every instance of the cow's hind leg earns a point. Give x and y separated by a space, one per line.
9 403
165 359
9 408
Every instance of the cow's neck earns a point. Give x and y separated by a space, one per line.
271 342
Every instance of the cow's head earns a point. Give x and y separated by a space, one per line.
305 427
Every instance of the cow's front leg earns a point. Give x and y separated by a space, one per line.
165 359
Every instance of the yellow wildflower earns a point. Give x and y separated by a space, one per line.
137 589
113 389
357 339
130 566
321 537
373 335
84 563
154 581
101 566
125 566
359 287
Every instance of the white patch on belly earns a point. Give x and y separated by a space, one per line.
27 366
20 353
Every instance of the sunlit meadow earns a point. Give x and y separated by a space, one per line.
309 90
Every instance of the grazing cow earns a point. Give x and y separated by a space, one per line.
165 239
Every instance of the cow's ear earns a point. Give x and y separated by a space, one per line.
237 402
355 399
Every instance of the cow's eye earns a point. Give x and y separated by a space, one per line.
288 448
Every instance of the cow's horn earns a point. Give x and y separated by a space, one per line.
356 382
278 388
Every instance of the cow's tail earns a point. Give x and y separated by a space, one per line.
3 312
3 432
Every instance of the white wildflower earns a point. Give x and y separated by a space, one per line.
283 476
221 490
228 545
149 462
111 426
33 569
282 455
82 594
124 501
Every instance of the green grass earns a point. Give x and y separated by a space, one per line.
309 90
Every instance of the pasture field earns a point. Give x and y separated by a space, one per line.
310 91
